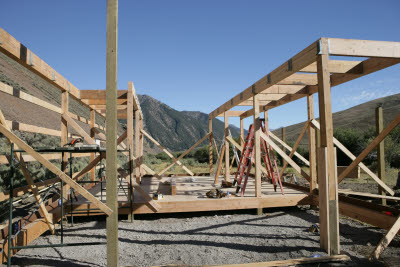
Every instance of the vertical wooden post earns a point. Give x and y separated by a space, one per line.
312 145
137 146
92 135
142 171
241 132
210 146
266 121
381 150
111 134
64 135
129 131
284 140
257 145
328 196
227 172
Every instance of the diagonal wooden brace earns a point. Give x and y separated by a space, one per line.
55 170
78 128
30 181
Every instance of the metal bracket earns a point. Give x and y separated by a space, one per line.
241 96
30 59
253 88
319 45
232 101
290 65
0 39
269 78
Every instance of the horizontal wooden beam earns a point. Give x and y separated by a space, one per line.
101 94
363 48
336 66
232 113
103 101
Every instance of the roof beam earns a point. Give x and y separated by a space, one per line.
335 66
101 94
363 48
232 113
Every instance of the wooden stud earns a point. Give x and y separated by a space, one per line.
380 150
141 139
312 145
210 147
64 135
227 172
328 180
129 131
93 136
241 132
219 166
283 132
257 146
137 147
111 125
273 136
385 241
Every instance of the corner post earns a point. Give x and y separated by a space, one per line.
129 131
328 195
210 146
257 144
92 135
381 150
141 160
137 146
64 135
227 172
111 134
312 145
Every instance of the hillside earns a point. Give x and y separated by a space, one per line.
177 130
360 117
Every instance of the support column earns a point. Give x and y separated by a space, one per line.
137 146
111 134
92 135
210 146
328 196
312 145
141 137
381 150
241 132
257 145
64 135
129 137
266 121
227 172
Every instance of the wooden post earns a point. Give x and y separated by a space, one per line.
257 145
129 130
381 150
141 137
64 135
111 134
241 132
227 172
210 146
283 130
328 195
92 135
312 145
137 146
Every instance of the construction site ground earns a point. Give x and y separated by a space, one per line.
208 238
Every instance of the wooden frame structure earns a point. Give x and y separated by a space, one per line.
309 72
313 72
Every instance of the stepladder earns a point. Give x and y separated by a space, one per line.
247 160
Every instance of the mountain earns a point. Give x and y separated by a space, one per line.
177 130
360 117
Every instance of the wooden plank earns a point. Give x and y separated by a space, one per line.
78 128
54 170
184 154
286 157
219 166
226 134
101 94
111 134
233 142
363 48
166 151
64 136
323 199
210 148
380 149
348 192
385 241
137 147
241 132
257 145
18 126
329 179
312 145
335 66
29 180
303 131
283 134
370 147
291 262
173 187
149 201
360 164
232 113
27 97
92 135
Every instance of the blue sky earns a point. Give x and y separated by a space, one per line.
196 55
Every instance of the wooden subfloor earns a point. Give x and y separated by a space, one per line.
191 196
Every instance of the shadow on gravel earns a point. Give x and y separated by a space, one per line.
55 261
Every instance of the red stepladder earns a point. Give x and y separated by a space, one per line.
246 161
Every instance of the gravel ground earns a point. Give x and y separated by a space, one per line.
207 238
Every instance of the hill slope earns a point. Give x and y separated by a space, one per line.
360 117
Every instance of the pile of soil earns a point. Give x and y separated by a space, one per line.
208 238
